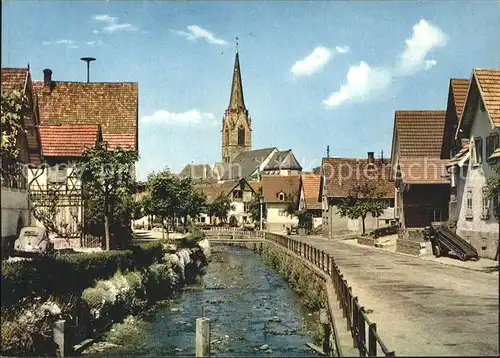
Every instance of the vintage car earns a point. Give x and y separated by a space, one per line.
33 240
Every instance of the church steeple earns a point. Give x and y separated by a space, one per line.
236 125
237 101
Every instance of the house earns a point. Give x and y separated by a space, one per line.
338 175
14 190
240 192
73 116
309 199
479 131
253 164
199 173
417 169
63 147
280 191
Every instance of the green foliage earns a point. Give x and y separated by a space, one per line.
108 188
70 273
14 106
220 208
305 220
362 199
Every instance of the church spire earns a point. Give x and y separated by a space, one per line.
236 101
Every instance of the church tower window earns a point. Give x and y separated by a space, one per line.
241 136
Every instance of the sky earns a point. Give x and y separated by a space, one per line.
315 74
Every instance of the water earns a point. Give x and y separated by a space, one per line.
241 296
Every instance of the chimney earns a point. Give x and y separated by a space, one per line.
47 79
371 157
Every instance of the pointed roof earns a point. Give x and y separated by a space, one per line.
459 88
236 101
69 140
283 160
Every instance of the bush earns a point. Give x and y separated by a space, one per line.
71 273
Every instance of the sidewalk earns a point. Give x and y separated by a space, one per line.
483 265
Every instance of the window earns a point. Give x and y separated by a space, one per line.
485 210
56 175
202 219
492 143
282 213
468 207
241 136
227 137
281 196
238 194
478 150
246 207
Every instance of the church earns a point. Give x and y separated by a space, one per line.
238 160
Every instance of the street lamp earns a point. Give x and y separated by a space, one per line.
261 201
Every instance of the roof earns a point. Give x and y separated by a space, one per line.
340 174
489 83
198 172
122 140
272 185
283 160
420 133
495 155
14 78
423 170
310 186
213 190
459 88
112 105
244 165
68 140
256 185
236 100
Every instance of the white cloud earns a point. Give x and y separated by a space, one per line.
68 43
316 60
196 32
193 116
362 83
113 25
95 43
425 37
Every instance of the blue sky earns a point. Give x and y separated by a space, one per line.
314 73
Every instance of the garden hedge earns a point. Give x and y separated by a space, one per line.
70 273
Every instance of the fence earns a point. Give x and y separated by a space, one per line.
363 331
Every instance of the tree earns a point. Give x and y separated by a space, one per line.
192 201
14 105
108 185
362 199
254 207
493 193
305 220
164 189
220 208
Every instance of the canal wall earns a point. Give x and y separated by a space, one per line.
86 315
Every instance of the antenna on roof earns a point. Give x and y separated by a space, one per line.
328 151
382 155
88 60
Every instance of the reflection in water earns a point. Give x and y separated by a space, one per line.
252 310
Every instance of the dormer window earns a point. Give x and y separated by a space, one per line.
238 194
281 196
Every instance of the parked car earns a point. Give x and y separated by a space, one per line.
33 240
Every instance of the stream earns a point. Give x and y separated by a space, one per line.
253 312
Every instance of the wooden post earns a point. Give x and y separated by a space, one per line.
362 331
355 322
203 337
58 331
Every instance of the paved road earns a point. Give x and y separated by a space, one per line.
421 307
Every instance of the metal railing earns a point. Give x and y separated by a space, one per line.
363 331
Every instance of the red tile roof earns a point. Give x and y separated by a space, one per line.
420 133
112 105
423 170
341 174
123 140
68 140
310 184
14 78
489 83
213 190
272 185
459 88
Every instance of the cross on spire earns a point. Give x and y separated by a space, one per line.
237 38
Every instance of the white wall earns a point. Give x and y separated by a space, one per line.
14 204
275 221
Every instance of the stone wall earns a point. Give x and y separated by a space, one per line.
368 241
410 247
485 243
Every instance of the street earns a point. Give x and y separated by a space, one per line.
421 307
